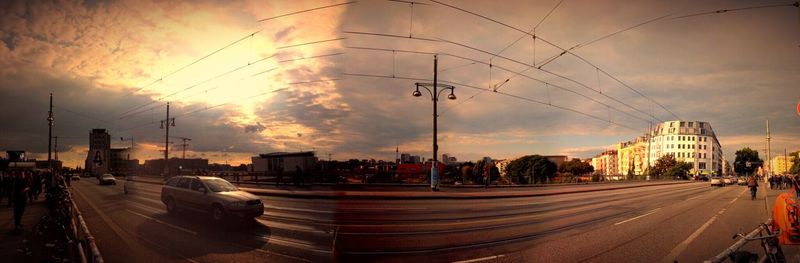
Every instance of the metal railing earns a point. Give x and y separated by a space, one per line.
79 234
754 235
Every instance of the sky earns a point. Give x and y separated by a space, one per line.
250 77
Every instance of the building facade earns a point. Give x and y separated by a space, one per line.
693 142
631 157
97 160
283 162
605 163
781 164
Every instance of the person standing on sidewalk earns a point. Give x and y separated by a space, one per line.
20 190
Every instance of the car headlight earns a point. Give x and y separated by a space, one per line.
237 204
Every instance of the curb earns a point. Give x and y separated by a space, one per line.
424 195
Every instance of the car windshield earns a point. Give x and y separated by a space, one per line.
218 185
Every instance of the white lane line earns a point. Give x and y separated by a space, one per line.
164 223
698 196
480 259
673 255
631 219
114 227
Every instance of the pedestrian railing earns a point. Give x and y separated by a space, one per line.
79 234
768 243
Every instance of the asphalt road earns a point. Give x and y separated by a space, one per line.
683 222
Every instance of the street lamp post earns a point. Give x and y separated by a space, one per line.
435 92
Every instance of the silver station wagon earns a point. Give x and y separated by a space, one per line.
212 195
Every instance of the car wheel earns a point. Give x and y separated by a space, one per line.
171 209
217 214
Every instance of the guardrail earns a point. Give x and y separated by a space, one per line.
754 235
87 251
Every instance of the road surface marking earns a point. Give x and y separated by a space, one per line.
164 223
114 227
698 196
631 219
480 259
673 255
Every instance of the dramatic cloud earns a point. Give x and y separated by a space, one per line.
114 64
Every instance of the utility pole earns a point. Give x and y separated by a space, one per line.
768 161
50 120
785 162
165 125
185 140
649 138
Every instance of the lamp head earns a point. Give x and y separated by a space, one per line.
451 96
416 93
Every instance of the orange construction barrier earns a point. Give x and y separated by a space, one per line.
785 217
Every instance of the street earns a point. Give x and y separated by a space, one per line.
683 222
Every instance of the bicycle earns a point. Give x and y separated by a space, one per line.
769 242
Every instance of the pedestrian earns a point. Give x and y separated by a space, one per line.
298 179
20 189
2 184
36 186
486 177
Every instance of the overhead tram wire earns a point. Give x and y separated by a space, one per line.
237 41
80 114
229 102
498 92
558 75
248 97
558 47
581 45
305 11
224 74
795 4
196 61
510 71
500 84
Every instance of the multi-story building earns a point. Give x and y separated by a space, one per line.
605 163
631 157
97 160
781 164
693 142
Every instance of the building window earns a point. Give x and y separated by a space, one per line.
701 165
690 124
683 124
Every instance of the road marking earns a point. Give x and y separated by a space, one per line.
673 255
698 196
631 219
114 227
480 259
164 223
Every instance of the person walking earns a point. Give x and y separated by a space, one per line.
20 190
298 176
753 184
486 178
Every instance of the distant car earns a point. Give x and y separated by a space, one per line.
107 179
211 195
702 178
75 177
717 181
741 181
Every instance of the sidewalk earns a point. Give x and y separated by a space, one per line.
316 191
27 246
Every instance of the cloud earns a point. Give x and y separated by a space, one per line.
102 58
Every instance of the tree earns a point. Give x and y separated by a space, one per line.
534 167
680 169
744 156
576 167
662 165
795 169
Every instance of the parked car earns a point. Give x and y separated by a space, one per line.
75 177
742 180
107 179
717 181
214 196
